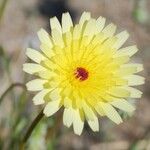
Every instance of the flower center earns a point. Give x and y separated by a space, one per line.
81 73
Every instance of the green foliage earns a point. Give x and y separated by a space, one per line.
3 5
37 139
140 13
4 60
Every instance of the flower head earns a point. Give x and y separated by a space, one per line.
84 70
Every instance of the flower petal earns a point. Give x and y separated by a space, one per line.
38 99
100 23
78 123
99 110
139 67
34 55
68 117
66 22
67 102
47 50
111 113
48 64
54 24
51 108
94 124
57 38
119 92
32 68
121 60
109 30
76 32
123 105
55 94
122 37
134 93
44 37
89 30
128 51
134 80
128 69
88 111
36 85
46 74
84 17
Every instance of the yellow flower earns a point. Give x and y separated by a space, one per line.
83 69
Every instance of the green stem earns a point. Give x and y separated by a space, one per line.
10 88
52 131
30 129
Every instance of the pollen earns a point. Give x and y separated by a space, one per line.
81 74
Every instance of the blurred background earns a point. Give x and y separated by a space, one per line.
19 22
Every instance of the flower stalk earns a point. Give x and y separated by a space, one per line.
10 88
51 133
30 129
